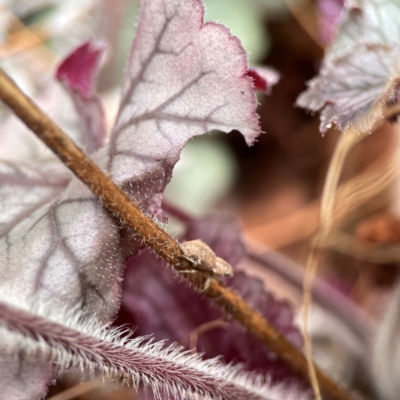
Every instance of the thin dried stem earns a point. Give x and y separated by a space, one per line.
322 292
357 191
202 329
351 195
346 142
120 206
326 296
374 253
305 14
311 269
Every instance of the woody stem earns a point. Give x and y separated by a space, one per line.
122 208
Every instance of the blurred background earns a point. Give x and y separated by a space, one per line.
273 188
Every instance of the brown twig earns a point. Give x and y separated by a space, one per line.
346 142
323 293
120 206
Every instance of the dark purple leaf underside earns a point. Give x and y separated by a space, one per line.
156 303
263 78
78 73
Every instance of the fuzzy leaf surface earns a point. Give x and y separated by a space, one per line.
184 78
41 253
361 69
26 188
72 104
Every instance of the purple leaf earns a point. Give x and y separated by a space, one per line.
24 380
238 346
221 233
25 188
329 12
184 78
263 78
361 69
74 107
155 302
78 72
18 144
79 69
34 256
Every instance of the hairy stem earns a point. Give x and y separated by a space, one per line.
105 353
121 207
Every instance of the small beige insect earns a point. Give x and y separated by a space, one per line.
204 258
